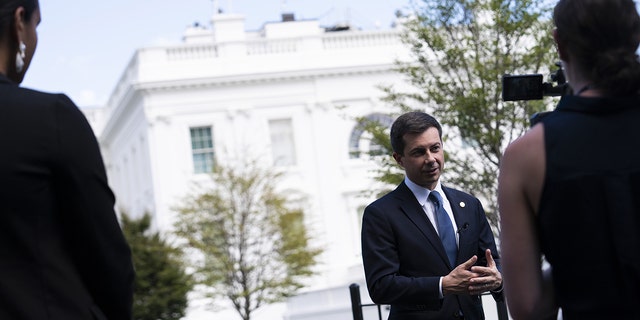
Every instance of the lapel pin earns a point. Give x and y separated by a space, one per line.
462 204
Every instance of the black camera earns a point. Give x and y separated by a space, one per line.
532 87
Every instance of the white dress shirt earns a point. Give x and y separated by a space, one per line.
422 195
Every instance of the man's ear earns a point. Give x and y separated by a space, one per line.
398 158
562 52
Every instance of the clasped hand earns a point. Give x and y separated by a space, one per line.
469 279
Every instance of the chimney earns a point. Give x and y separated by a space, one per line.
286 17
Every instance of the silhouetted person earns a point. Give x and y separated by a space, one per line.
62 253
570 187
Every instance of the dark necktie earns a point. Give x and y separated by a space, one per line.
445 228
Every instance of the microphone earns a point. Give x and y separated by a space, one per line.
464 227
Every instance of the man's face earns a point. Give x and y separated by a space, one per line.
423 159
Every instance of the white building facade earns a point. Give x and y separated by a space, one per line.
288 94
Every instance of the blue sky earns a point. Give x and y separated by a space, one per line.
84 46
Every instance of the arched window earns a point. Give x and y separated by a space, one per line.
361 143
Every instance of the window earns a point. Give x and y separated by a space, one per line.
202 149
283 148
361 142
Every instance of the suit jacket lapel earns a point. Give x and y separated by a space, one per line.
414 212
461 214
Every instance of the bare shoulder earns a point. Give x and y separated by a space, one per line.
529 146
522 168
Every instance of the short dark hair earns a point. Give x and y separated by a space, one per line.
411 122
8 8
602 37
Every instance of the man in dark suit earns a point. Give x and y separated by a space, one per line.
428 250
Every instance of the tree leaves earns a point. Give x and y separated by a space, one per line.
161 283
459 51
253 245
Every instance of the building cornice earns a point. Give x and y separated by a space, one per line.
252 79
140 89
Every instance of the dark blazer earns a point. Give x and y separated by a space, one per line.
404 257
62 252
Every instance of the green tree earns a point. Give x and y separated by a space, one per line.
459 51
161 284
253 248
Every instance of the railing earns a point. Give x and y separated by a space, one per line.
254 47
200 51
349 40
272 46
356 305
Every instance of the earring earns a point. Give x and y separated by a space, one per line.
20 57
